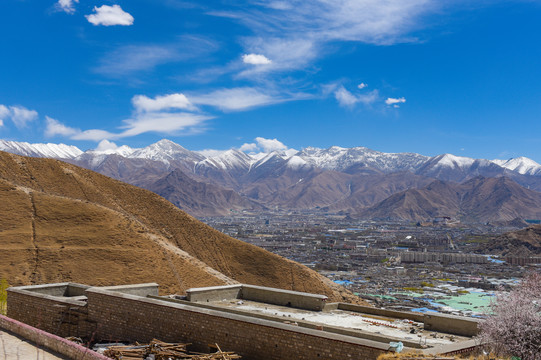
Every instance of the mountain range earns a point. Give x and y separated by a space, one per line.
358 181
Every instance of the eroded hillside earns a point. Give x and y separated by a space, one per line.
60 222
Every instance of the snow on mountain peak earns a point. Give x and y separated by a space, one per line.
452 161
166 151
296 162
228 159
57 151
338 158
123 150
522 165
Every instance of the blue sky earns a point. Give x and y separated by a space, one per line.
421 76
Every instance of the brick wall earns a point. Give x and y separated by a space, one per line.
61 317
126 317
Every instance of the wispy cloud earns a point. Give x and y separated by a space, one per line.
4 113
143 103
348 99
94 135
109 16
67 6
132 59
236 99
295 32
19 115
171 113
163 122
288 53
157 122
54 127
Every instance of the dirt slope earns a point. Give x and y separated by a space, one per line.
525 242
59 222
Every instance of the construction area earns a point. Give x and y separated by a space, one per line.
240 321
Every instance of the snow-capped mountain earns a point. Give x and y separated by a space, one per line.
521 165
230 159
349 160
340 179
449 167
166 151
341 159
335 158
58 151
96 157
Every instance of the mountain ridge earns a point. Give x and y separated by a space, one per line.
336 179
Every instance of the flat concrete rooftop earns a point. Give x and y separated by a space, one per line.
405 330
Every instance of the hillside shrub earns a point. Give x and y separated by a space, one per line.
3 296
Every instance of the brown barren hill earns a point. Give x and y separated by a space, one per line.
59 222
525 242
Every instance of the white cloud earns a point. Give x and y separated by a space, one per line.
172 101
172 113
347 99
235 99
286 52
54 127
299 31
106 145
269 145
394 101
109 15
21 116
94 135
255 59
68 6
344 97
361 86
248 147
162 123
264 145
